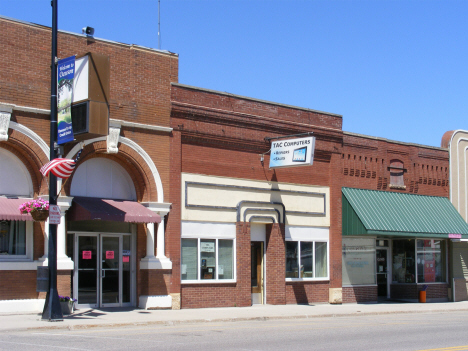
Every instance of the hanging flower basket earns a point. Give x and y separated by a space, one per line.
37 208
40 215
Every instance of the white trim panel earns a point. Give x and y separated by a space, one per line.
294 233
206 230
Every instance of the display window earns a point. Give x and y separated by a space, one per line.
359 263
15 240
419 261
207 260
431 261
306 260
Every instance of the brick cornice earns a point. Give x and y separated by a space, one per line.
243 120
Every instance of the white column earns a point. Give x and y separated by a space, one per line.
63 261
150 240
46 242
160 261
160 240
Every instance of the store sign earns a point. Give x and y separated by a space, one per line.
292 153
207 247
454 236
87 255
65 76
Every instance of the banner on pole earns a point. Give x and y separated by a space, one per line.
65 76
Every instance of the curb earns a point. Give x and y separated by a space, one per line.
59 326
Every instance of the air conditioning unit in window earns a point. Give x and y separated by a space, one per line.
90 104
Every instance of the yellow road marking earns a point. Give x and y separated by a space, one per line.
455 348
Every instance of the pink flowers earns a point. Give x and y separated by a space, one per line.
34 205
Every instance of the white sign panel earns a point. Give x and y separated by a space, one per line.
54 214
207 247
292 153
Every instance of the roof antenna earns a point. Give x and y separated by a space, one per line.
159 24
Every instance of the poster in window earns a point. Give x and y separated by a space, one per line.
207 247
109 255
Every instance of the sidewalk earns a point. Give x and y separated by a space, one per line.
83 319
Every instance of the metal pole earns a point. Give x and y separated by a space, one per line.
52 310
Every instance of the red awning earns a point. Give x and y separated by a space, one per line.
90 208
9 210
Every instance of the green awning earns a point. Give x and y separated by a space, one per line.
385 213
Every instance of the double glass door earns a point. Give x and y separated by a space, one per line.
102 274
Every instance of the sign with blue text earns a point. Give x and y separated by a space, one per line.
292 153
65 76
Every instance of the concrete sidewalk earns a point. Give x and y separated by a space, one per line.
82 319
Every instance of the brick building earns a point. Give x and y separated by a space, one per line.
176 205
395 209
315 250
117 174
235 219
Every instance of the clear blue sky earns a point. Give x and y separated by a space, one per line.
393 69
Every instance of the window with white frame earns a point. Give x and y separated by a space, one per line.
207 252
15 240
207 259
306 253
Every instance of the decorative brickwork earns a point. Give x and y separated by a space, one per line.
140 90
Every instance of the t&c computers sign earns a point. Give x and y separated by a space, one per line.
292 153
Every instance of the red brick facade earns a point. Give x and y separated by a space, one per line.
213 134
140 89
222 135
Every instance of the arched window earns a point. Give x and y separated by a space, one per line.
102 178
14 177
15 182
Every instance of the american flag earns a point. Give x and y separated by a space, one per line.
60 167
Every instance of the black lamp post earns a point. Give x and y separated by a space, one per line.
52 310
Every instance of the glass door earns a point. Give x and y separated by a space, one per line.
382 272
103 270
110 271
256 272
86 271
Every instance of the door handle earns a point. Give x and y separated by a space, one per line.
103 275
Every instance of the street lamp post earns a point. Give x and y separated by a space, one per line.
52 310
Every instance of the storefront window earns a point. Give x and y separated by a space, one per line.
404 267
321 260
300 261
226 259
189 253
358 261
207 259
292 261
12 238
431 261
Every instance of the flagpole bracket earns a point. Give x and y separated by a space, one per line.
59 150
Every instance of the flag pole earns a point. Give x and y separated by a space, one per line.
52 310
